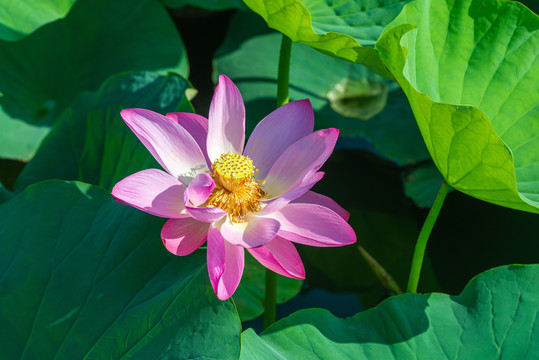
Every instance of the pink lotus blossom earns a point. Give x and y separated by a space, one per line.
235 198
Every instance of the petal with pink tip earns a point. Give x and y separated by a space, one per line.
280 256
226 127
280 202
153 191
169 143
314 225
197 126
311 197
225 264
255 231
305 156
277 131
183 236
200 189
204 214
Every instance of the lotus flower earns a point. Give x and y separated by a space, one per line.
235 198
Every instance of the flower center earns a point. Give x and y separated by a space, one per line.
236 190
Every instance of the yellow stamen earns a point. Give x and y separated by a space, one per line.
236 190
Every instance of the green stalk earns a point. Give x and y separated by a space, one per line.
270 301
283 75
421 245
284 71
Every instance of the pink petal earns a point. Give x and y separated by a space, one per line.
204 214
280 256
200 189
277 131
153 191
283 200
197 126
225 264
255 231
183 236
169 143
314 225
310 197
226 127
305 156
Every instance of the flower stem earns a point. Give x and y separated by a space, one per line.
270 301
421 245
283 75
284 71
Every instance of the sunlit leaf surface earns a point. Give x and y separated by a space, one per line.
494 317
470 70
22 17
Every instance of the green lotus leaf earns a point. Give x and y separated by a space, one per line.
248 57
42 74
26 16
95 144
82 276
249 297
470 70
343 29
494 317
